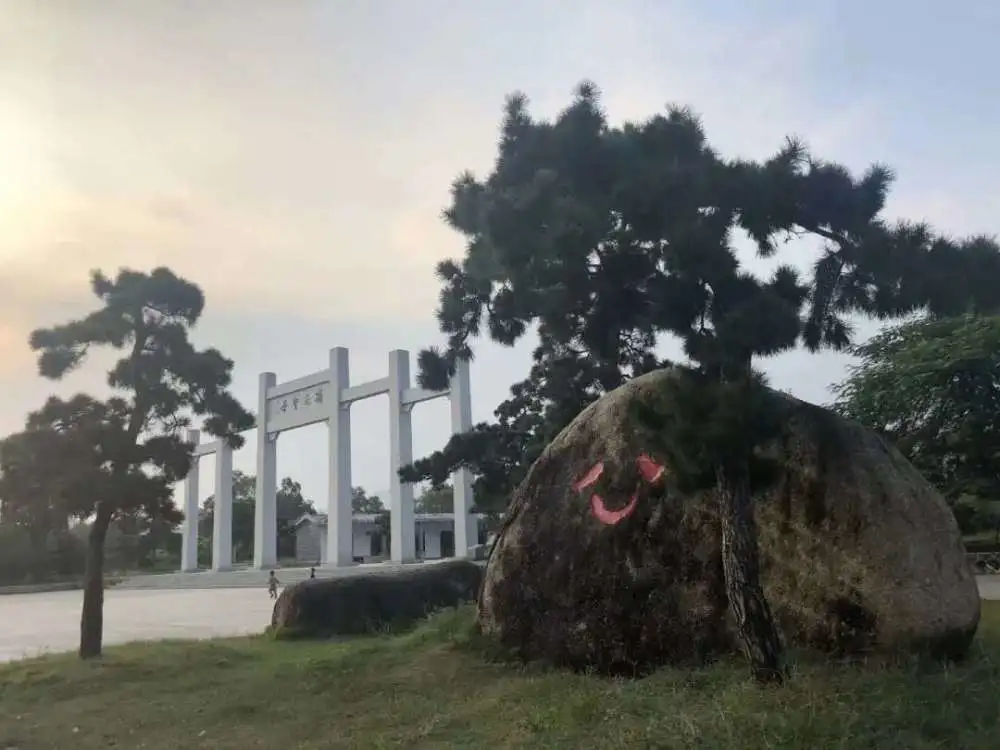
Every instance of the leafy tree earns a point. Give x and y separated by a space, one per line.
41 471
121 546
133 439
21 561
135 540
932 386
607 238
383 527
157 540
291 505
38 471
244 494
362 502
34 482
37 476
436 500
18 554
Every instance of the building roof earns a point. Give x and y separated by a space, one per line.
321 519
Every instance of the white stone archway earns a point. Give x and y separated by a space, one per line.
326 396
222 525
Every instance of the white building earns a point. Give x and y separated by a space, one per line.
434 532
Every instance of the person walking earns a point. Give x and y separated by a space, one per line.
272 585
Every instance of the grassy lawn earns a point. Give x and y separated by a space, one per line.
431 689
984 541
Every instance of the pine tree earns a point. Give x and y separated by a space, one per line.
134 440
607 238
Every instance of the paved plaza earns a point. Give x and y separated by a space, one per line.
36 623
989 587
32 624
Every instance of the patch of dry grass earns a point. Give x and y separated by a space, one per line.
433 689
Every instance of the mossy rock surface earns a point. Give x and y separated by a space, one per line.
860 554
373 602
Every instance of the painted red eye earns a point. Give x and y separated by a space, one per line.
611 517
590 478
650 470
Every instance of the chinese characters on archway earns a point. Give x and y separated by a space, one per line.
299 400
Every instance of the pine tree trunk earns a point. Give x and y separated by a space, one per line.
92 617
741 563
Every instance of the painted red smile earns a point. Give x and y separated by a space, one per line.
610 517
651 472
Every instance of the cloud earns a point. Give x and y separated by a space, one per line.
270 176
269 166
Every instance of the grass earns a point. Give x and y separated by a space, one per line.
432 688
983 541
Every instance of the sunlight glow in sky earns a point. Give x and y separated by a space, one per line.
293 158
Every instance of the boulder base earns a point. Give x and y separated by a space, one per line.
860 555
371 602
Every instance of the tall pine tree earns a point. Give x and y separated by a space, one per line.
134 440
607 238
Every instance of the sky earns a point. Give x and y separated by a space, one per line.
293 158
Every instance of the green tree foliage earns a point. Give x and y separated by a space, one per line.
291 503
44 471
137 541
133 442
571 248
23 560
436 500
932 386
38 471
291 506
244 498
362 502
34 483
19 554
608 238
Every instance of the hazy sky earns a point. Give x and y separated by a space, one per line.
292 157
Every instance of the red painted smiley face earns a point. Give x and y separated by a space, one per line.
651 472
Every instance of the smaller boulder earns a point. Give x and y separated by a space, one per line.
372 602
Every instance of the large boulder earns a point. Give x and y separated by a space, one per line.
859 553
372 602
